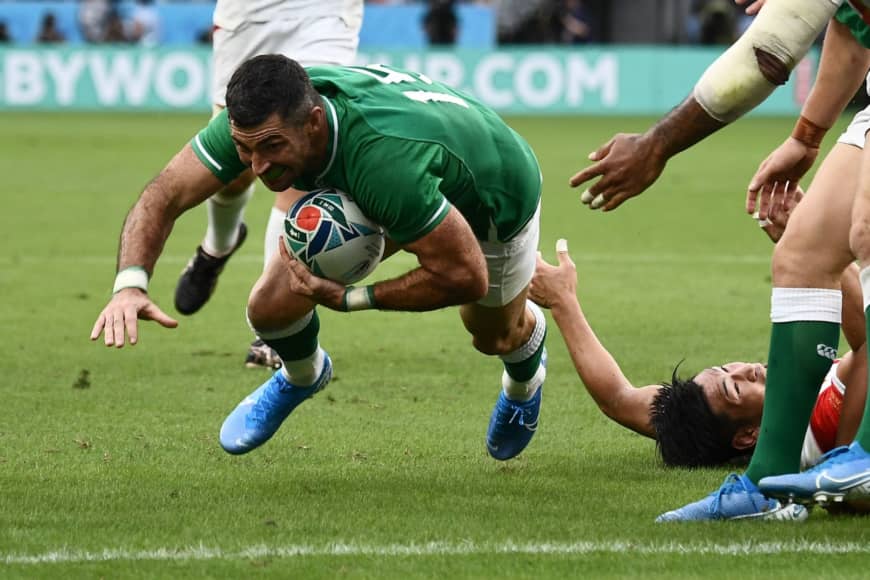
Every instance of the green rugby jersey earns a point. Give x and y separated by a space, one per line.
406 148
847 15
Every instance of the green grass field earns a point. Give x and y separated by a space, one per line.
109 462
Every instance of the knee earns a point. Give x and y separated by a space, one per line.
257 312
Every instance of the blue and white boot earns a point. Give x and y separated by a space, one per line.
260 414
513 423
737 499
843 475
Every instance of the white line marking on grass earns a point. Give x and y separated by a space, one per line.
70 556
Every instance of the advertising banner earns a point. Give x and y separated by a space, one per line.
533 80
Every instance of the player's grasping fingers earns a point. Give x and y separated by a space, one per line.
552 285
120 317
303 282
787 164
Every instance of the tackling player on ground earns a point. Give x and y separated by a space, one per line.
448 180
713 417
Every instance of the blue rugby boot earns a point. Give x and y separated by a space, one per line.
737 499
258 416
842 475
513 423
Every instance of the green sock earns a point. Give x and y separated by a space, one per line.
299 345
522 364
524 370
863 435
800 355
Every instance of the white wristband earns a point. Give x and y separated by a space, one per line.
131 277
359 298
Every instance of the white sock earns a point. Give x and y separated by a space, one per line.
516 391
225 213
304 372
805 304
274 229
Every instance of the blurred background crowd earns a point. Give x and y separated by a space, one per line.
442 22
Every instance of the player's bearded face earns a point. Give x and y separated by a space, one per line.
278 153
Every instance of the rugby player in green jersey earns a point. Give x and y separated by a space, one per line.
448 180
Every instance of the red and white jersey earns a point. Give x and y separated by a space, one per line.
822 431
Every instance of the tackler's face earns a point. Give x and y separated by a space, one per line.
278 151
735 390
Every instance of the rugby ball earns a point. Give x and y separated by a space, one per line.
328 232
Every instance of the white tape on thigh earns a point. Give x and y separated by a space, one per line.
785 29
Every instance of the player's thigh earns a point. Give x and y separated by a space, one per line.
324 40
499 316
310 41
815 246
271 305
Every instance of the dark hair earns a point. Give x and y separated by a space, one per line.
266 85
688 433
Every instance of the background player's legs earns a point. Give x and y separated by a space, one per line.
226 211
225 233
805 311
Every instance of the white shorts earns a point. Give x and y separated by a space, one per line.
511 265
856 133
312 41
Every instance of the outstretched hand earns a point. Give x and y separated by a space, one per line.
551 285
626 165
121 315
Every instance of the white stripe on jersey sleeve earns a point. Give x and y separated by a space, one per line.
205 153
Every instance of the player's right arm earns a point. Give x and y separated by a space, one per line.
734 84
842 68
182 184
555 287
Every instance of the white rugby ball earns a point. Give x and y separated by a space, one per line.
327 231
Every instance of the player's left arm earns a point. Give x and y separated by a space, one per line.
452 271
555 287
